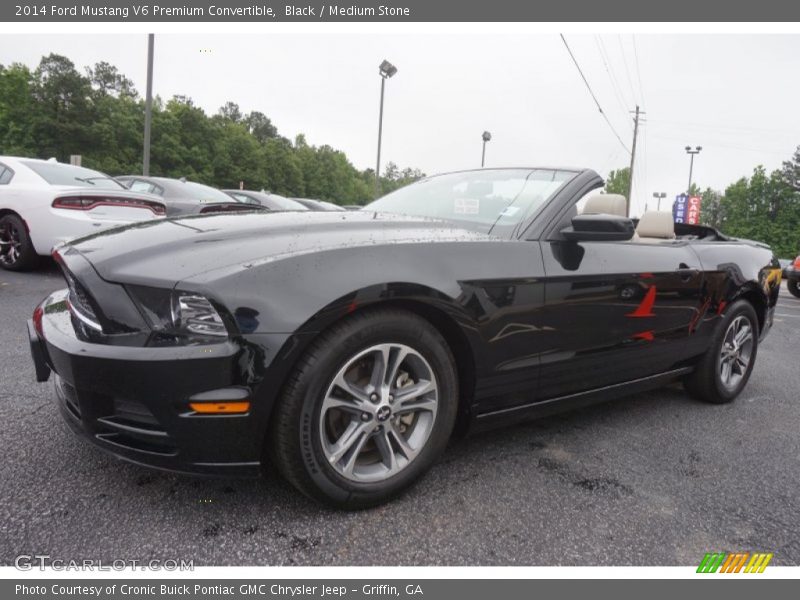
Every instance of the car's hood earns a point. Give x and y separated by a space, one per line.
170 250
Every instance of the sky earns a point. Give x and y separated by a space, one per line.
734 95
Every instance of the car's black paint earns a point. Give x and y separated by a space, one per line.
534 324
599 228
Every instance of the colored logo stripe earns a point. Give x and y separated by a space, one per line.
711 562
758 563
734 562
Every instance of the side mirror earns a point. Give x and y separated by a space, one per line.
599 228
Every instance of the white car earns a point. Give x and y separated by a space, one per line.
44 203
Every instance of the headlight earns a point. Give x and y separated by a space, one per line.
195 314
181 315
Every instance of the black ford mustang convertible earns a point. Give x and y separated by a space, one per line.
348 347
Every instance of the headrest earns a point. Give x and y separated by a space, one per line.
608 204
656 224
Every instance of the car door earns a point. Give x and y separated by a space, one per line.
505 312
614 311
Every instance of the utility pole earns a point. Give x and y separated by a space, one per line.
148 107
637 113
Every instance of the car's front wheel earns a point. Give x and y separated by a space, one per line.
794 287
16 250
367 410
722 372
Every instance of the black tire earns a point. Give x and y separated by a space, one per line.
706 381
16 250
295 444
794 289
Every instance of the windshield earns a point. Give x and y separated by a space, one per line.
478 199
61 174
243 198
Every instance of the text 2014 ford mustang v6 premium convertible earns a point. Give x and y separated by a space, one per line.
349 346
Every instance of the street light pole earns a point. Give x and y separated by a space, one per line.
659 196
148 106
386 70
486 136
691 154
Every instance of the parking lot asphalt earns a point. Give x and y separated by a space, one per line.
653 479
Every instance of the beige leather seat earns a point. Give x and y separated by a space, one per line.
607 204
656 226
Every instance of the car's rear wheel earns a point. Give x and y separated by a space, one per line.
721 374
16 250
794 288
367 410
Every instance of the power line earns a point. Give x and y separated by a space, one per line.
612 78
711 144
591 93
625 63
725 129
611 160
638 70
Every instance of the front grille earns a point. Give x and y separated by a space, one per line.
133 426
120 422
134 413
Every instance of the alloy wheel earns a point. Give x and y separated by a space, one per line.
378 412
736 352
10 244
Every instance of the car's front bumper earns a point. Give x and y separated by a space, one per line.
791 273
134 401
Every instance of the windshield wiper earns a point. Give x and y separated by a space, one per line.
88 179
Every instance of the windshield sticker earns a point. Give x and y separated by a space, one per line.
509 211
467 206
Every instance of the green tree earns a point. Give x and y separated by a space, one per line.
764 208
260 126
231 112
57 111
62 122
790 173
618 182
712 209
17 111
236 157
106 79
281 168
394 178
